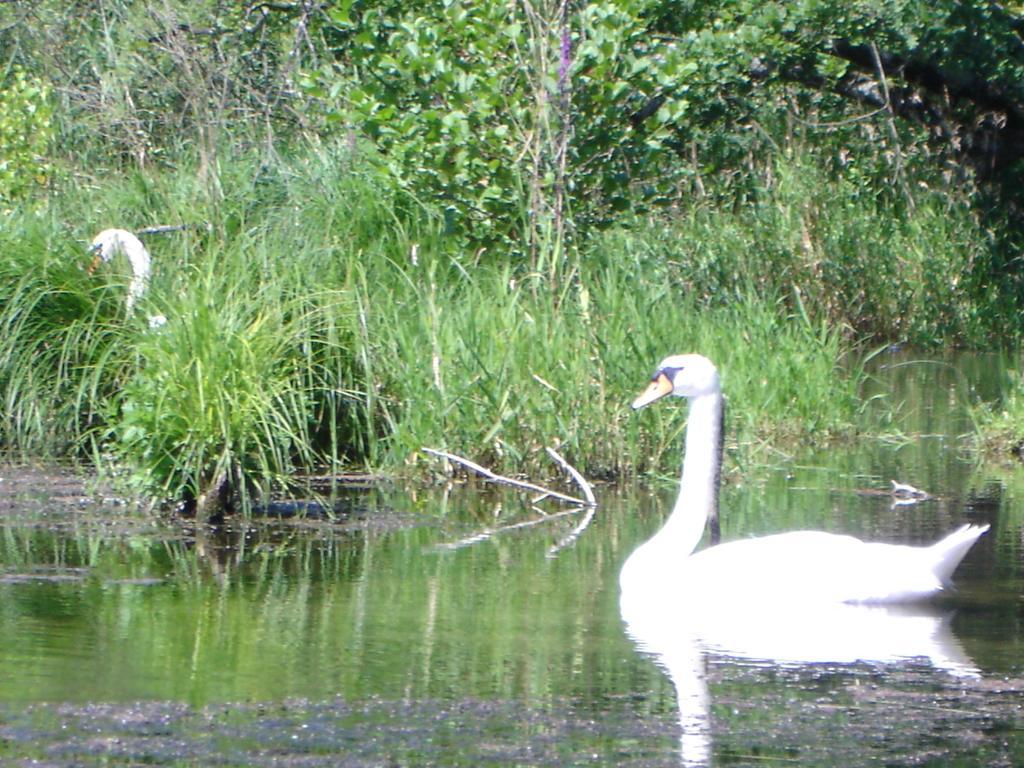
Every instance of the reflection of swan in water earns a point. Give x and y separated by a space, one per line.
790 634
790 567
792 598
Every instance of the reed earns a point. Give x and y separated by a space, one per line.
998 424
319 318
231 387
60 353
865 263
488 366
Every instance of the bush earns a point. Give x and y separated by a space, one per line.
26 133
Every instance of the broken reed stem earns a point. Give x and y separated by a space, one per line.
562 543
487 533
493 476
588 492
163 228
574 534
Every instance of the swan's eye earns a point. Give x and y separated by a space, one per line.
671 373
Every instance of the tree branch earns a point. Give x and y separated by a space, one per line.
494 477
932 78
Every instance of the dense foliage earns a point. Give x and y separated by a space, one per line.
26 132
386 203
480 105
529 125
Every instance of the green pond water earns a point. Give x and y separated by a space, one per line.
415 632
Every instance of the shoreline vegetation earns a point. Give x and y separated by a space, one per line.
351 274
331 329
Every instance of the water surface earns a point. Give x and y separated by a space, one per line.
386 638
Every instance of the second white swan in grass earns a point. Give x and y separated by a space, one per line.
108 244
800 565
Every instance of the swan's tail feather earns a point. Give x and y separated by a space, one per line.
951 550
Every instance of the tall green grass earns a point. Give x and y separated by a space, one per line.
319 318
999 423
482 364
867 263
236 385
62 350
254 378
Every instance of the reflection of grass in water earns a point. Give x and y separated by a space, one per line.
286 611
999 433
999 424
384 628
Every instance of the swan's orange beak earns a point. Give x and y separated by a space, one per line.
657 389
95 263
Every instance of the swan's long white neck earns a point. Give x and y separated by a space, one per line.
669 549
698 489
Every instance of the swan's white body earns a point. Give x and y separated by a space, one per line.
791 598
110 242
807 566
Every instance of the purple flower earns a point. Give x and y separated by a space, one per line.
565 60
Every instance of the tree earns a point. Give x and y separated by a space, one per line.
929 78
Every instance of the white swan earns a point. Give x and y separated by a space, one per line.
800 566
111 242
